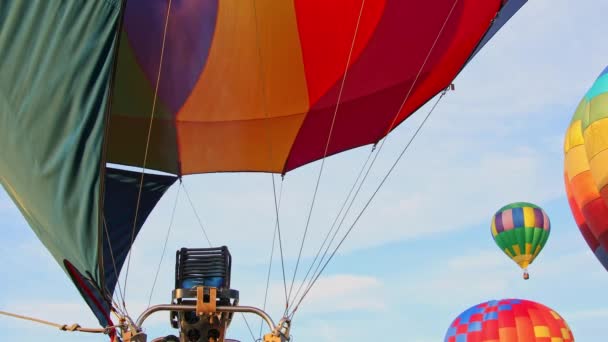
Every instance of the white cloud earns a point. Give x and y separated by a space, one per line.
345 292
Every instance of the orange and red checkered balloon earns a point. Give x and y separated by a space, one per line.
509 320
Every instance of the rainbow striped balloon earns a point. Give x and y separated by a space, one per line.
521 230
585 167
509 320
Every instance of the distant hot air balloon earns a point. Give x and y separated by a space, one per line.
521 230
585 171
509 320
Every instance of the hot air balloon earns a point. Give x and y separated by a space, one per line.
91 90
509 320
521 230
584 171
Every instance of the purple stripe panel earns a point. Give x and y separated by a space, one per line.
189 34
498 222
538 218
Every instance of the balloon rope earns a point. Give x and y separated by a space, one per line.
315 278
333 226
143 169
162 255
331 129
117 307
269 142
274 238
368 202
63 327
198 218
248 327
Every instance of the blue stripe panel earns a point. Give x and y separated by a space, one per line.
604 72
475 326
507 11
518 217
490 315
504 307
602 256
451 332
515 301
120 199
600 86
461 338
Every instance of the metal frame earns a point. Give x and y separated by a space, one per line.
184 307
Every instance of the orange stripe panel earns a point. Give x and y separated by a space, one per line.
254 71
237 145
576 161
583 188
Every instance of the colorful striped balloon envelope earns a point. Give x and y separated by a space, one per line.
197 86
521 230
585 167
509 320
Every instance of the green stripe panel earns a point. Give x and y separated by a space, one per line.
518 205
56 64
598 109
520 236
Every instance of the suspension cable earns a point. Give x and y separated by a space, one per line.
117 307
274 238
331 129
162 255
63 327
198 218
333 226
368 202
143 168
248 327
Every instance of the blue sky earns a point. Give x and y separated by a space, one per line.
422 253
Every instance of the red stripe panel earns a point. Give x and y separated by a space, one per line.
382 74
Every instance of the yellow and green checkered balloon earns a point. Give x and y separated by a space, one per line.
521 230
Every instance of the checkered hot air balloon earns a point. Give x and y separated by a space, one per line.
521 230
585 167
509 320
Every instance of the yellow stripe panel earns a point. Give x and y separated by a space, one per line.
509 253
528 248
536 251
576 161
566 334
516 249
599 169
254 71
541 331
574 135
596 138
494 231
528 216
